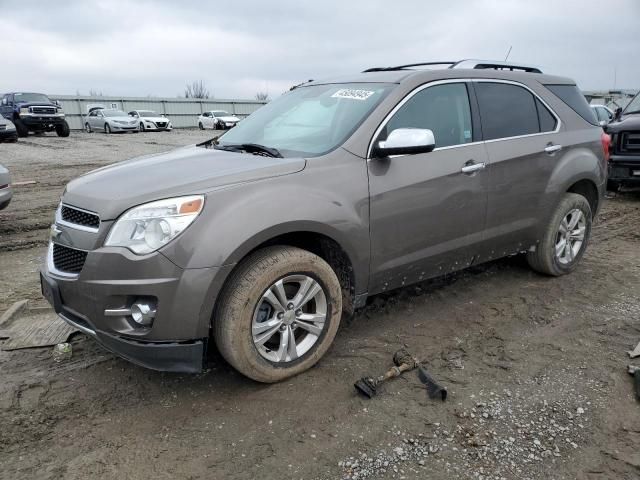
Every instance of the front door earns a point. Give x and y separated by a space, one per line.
428 210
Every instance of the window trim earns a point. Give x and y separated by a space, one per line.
466 81
535 95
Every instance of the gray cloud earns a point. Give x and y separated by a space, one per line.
144 47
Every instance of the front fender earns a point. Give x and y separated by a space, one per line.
329 197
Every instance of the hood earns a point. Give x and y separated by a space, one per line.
627 122
229 118
155 119
125 119
35 104
5 121
111 190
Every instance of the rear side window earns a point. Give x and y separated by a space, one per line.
572 96
507 110
547 120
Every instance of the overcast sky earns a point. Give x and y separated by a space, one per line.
139 48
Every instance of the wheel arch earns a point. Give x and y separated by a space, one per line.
588 189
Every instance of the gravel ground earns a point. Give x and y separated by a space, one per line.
535 368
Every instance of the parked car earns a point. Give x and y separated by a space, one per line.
109 121
604 114
5 188
624 164
217 119
34 112
7 130
338 190
150 120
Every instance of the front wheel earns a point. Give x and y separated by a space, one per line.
87 128
200 126
278 314
565 239
107 128
62 129
21 128
142 127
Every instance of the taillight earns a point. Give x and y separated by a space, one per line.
606 145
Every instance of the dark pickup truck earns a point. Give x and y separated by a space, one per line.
624 161
34 112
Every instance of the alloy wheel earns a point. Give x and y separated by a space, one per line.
289 318
570 236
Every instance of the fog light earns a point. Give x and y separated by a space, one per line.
143 312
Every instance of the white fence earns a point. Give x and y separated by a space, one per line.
183 112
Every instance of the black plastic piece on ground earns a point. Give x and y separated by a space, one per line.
366 386
434 390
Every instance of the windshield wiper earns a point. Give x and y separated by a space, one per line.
257 148
632 111
249 148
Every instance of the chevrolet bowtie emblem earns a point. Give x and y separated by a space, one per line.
55 232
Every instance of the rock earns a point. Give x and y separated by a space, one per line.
62 352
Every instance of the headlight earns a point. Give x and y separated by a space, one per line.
148 227
10 127
24 111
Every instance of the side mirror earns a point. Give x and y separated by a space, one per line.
618 113
56 102
406 141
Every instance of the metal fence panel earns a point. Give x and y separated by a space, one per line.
183 112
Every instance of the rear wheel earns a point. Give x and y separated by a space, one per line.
62 129
107 128
278 314
565 238
21 128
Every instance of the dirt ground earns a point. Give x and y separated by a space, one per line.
535 367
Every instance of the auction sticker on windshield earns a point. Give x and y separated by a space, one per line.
353 94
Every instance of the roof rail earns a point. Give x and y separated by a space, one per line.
402 67
494 65
466 63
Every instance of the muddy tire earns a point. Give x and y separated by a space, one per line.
62 130
21 128
565 238
200 126
265 297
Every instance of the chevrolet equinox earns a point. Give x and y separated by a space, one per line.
259 240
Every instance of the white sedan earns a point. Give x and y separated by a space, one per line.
217 119
150 120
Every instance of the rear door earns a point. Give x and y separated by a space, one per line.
426 213
522 141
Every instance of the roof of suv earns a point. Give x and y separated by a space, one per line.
402 74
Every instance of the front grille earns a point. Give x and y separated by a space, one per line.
80 217
629 143
161 124
3 127
43 110
68 259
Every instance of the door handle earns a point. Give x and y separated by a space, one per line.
551 149
472 167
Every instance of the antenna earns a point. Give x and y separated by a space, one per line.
508 53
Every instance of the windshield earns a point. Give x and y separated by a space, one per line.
147 113
114 113
634 105
31 97
220 113
309 121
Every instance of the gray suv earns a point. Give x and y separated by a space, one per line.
259 240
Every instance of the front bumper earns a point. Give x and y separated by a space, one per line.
43 121
624 169
112 278
8 134
5 195
117 127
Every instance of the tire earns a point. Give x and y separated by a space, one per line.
107 128
612 186
240 304
545 258
21 128
142 127
62 130
200 126
87 128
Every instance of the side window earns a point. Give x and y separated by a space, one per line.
547 120
443 109
573 97
506 110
